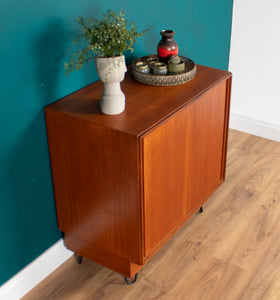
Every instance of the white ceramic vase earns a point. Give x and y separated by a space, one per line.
111 71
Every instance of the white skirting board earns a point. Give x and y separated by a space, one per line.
24 281
255 127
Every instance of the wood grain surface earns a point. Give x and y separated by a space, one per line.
207 121
165 162
231 251
95 178
146 106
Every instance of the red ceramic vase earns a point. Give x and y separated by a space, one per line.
167 46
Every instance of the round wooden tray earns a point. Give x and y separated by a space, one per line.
164 80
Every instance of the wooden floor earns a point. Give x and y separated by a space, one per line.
231 251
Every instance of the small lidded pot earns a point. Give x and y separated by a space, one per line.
151 61
142 67
160 68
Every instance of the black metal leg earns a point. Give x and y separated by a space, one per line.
130 280
201 209
79 258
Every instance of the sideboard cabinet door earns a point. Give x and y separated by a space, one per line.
165 169
183 162
207 141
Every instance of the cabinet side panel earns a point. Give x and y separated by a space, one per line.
165 154
95 177
207 125
226 125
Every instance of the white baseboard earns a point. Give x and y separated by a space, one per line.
255 127
36 271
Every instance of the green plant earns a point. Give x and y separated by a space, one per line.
174 60
111 36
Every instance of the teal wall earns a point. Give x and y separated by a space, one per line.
36 40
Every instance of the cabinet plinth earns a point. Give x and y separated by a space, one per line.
125 184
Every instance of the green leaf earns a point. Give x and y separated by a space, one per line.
108 37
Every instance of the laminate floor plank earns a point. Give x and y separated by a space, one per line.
231 251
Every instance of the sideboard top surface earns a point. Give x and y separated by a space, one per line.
146 106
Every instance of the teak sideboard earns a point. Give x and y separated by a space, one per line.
125 184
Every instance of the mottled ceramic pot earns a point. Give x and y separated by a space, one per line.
160 68
142 67
167 45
